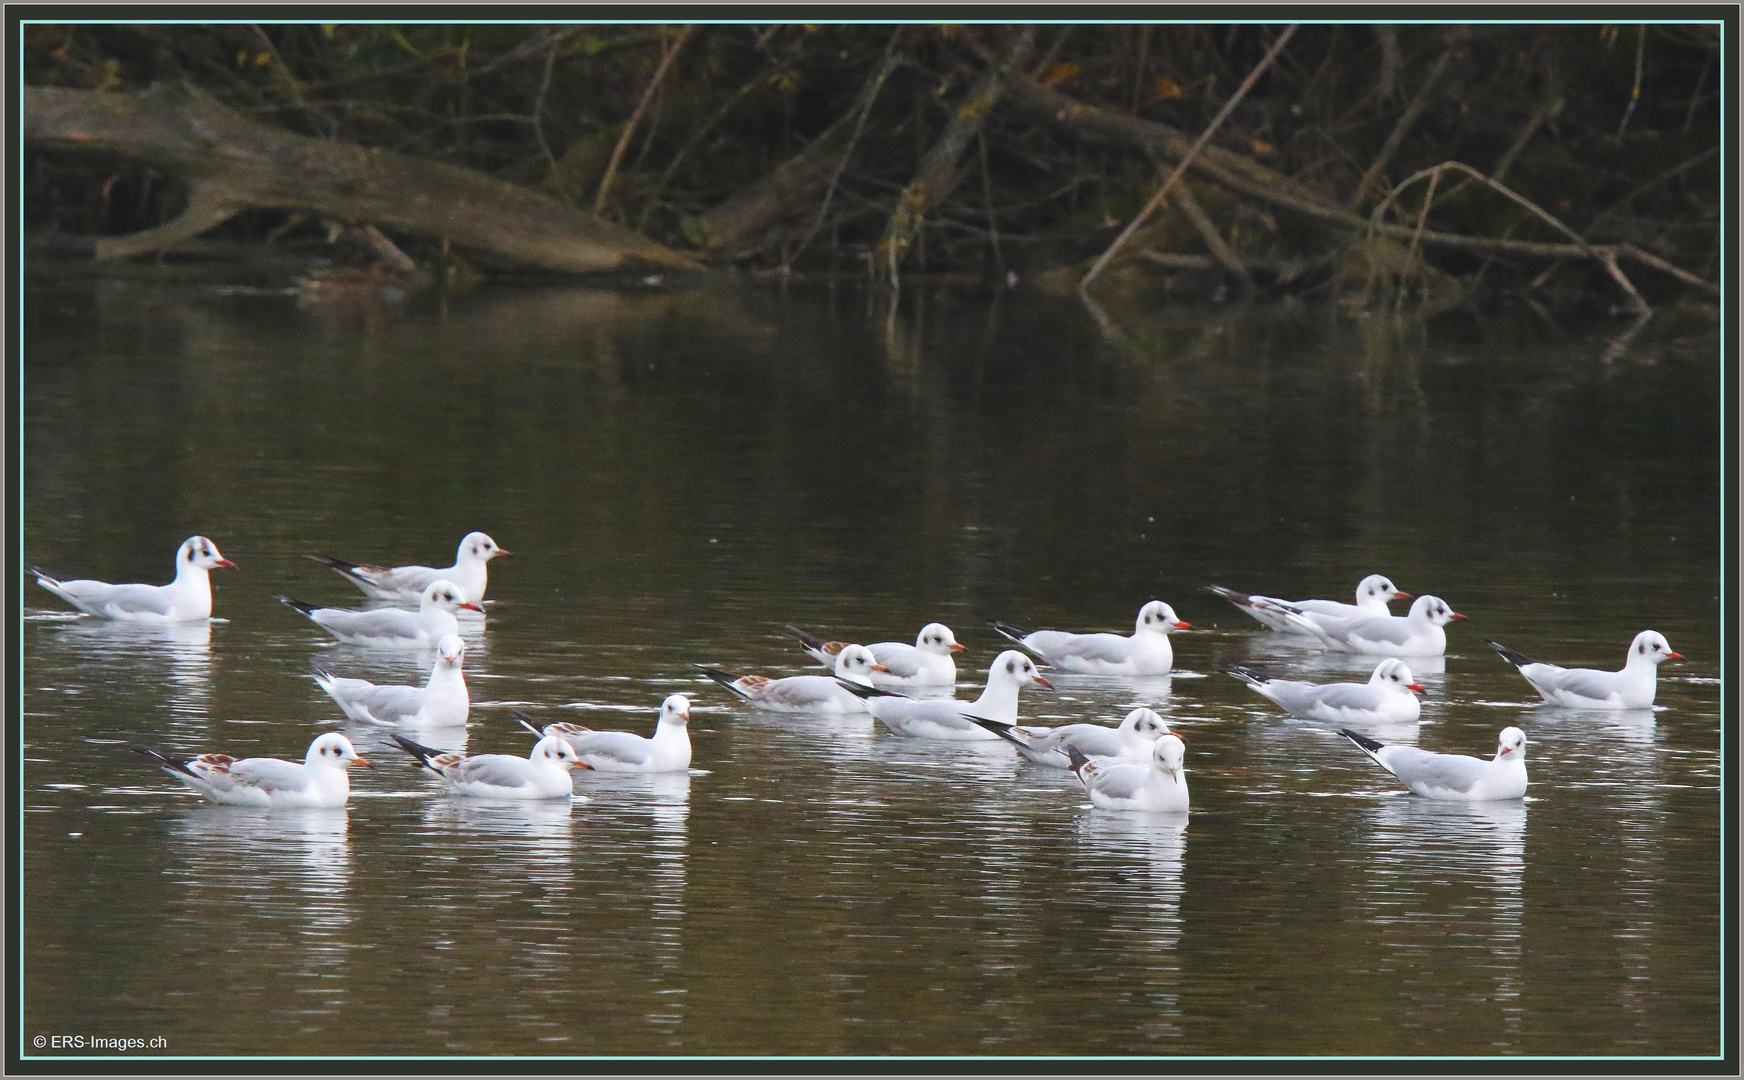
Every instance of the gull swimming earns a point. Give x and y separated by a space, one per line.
1454 777
1585 688
186 599
392 628
320 780
927 662
805 693
1419 633
1146 652
1134 740
405 584
624 751
1156 786
442 701
935 718
1389 697
542 774
1372 595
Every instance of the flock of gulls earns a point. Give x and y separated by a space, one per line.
1134 766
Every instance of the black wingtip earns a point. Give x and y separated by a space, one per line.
305 608
810 641
861 690
526 720
1015 633
999 728
1367 744
418 750
1078 759
171 761
337 564
1236 598
1518 659
40 574
1246 675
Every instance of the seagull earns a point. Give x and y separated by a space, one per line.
392 628
1454 777
1585 688
1158 785
806 693
404 584
186 599
1389 697
319 781
1418 634
934 718
542 774
623 751
1133 740
1146 652
925 663
1372 595
441 701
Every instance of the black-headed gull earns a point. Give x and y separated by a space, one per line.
1372 595
624 751
441 702
392 628
1146 652
1156 786
1389 697
1586 688
405 584
1418 634
805 693
320 780
186 599
1454 777
1133 740
925 663
935 718
542 774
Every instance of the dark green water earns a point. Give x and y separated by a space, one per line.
679 475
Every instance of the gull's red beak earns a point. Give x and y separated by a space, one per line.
225 564
504 551
1183 625
472 607
1414 686
362 761
1674 656
879 667
1456 617
1403 596
1043 682
956 647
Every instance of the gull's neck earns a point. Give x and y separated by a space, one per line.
999 700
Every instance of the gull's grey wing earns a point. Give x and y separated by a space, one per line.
382 622
1120 781
1326 607
1092 740
1586 682
1391 629
1343 696
390 703
800 691
270 774
624 746
1110 648
902 660
125 599
497 770
1420 768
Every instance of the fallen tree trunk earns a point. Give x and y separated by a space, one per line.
234 163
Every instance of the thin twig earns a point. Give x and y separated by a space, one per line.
868 95
539 107
1407 119
671 54
1635 92
1187 159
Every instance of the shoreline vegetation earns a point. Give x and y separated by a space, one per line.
1407 168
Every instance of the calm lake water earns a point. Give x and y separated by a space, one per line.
681 474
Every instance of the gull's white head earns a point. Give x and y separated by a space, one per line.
1013 666
1434 609
1157 617
450 651
856 664
557 751
333 749
1511 745
1375 587
199 553
447 596
1650 647
1394 675
937 638
1144 723
675 711
1170 753
476 545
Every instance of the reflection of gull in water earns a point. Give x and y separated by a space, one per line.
1438 865
1592 727
268 868
1263 647
1146 855
187 647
